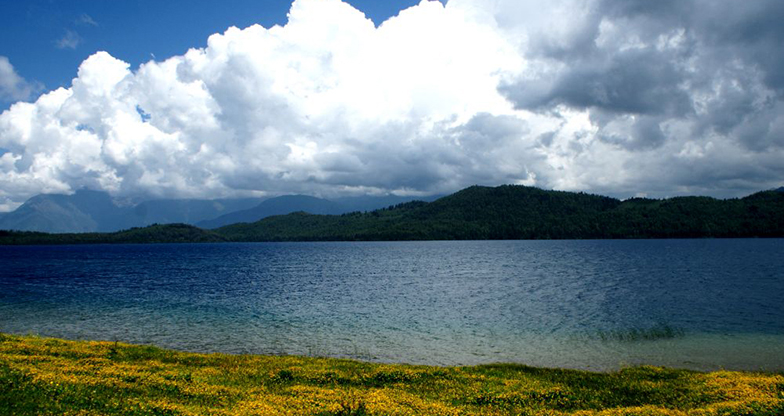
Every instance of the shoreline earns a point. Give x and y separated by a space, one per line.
590 361
12 238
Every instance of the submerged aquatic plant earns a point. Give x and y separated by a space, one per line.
660 331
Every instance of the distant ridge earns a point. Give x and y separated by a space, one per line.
275 206
288 204
188 211
169 233
96 211
504 212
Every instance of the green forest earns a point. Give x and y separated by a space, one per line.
169 233
483 213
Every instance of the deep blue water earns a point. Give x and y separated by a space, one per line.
547 303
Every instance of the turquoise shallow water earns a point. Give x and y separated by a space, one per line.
701 304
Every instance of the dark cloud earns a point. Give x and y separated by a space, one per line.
718 66
640 81
670 10
750 31
488 131
644 133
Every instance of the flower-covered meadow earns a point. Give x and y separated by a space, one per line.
40 376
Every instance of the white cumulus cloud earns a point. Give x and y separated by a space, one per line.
572 95
12 86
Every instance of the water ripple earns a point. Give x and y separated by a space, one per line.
700 304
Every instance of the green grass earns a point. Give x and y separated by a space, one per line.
40 376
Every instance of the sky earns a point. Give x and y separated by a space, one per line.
198 99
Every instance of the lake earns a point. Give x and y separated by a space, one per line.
599 305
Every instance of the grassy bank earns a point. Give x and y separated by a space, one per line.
52 377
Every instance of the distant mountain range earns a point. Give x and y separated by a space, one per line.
482 213
82 212
93 211
300 203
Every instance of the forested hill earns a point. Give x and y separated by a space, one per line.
169 233
518 212
478 213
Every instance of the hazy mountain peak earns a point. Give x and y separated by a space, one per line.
87 211
280 205
49 213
